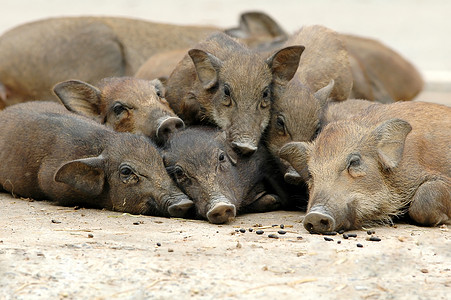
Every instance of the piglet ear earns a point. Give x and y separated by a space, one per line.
323 94
85 175
390 137
296 154
207 66
284 63
79 97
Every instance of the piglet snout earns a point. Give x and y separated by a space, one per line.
221 213
169 126
319 221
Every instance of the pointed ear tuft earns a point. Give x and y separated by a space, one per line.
207 66
323 94
79 97
390 137
85 175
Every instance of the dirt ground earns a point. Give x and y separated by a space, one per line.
52 252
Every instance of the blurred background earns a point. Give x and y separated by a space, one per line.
420 30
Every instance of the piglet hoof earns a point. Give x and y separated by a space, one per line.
319 222
221 213
181 208
168 127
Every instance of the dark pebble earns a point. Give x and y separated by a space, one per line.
374 239
259 232
158 244
282 226
338 242
359 245
281 232
135 223
370 232
352 234
242 230
328 239
251 229
273 236
330 233
345 236
237 230
56 222
341 231
299 237
274 225
90 235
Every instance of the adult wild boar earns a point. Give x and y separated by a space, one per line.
50 153
393 159
379 72
220 183
37 55
222 82
125 104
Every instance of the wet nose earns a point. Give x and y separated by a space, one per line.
319 222
245 149
168 127
221 213
181 208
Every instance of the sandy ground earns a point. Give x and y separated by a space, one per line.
51 252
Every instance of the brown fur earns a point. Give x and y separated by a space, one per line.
50 153
381 73
374 166
37 55
222 82
325 58
125 104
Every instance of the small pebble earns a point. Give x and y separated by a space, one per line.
170 250
282 226
237 230
299 237
158 244
259 232
328 239
352 234
370 232
341 231
281 232
274 225
135 223
338 242
273 236
330 233
345 236
374 239
90 235
424 271
242 230
251 229
359 245
56 222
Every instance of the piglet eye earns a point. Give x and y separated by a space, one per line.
179 173
221 157
159 94
125 170
266 93
118 108
354 161
227 90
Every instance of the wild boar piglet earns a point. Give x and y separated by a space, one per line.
392 159
51 153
